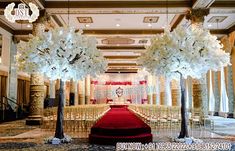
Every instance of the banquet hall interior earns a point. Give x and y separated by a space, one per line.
117 93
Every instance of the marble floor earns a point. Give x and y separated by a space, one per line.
17 136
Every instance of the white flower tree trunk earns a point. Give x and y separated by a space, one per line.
59 132
184 126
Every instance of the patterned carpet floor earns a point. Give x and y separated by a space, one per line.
16 136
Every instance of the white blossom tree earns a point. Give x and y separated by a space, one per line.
60 54
186 51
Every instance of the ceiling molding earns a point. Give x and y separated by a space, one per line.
231 29
64 11
117 4
121 57
122 64
222 4
177 21
124 31
3 5
218 31
202 4
121 47
22 32
26 32
122 71
57 20
39 3
6 27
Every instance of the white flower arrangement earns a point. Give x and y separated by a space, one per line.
61 53
190 51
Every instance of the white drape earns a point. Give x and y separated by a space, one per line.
168 98
223 93
158 90
211 94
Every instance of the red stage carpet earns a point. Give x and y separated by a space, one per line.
120 125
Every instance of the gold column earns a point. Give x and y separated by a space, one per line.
197 97
67 93
233 73
200 99
162 98
87 89
75 93
154 96
175 91
81 92
36 99
92 90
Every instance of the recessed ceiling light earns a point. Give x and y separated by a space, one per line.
87 25
28 25
209 25
117 25
150 25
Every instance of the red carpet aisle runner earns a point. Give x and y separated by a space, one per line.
120 125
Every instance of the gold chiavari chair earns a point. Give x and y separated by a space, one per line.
46 119
175 117
163 121
154 117
195 119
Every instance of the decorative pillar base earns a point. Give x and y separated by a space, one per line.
34 120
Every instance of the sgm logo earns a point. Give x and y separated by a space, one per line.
21 13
